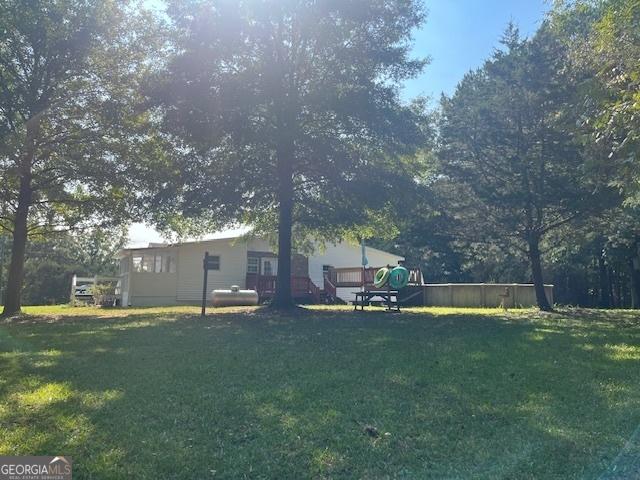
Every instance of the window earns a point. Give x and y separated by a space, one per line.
326 268
214 262
155 263
169 263
147 263
137 263
268 268
252 264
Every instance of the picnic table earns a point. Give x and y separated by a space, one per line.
388 297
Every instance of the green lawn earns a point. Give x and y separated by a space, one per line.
429 393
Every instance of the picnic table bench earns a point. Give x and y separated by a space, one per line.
388 297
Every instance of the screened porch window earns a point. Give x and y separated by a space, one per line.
137 263
147 263
169 263
154 263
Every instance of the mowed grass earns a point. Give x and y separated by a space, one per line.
325 393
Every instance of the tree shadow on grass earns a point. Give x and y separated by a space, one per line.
266 396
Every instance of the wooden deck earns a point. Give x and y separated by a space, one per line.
302 288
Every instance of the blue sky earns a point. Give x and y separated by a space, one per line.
458 36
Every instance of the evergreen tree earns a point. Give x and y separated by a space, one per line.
508 146
288 113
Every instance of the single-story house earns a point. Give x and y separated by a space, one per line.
172 274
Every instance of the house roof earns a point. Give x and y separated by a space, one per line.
222 236
400 257
209 238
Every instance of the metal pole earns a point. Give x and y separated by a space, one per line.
205 265
389 290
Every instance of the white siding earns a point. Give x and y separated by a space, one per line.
233 267
146 289
345 255
151 288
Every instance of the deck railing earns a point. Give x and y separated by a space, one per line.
334 278
329 287
357 276
351 276
265 285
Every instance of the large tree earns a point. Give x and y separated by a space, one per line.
71 130
603 46
508 144
602 42
287 112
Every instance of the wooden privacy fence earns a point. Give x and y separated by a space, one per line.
481 294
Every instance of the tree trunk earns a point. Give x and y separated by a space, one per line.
283 298
536 272
610 287
16 267
604 299
13 300
618 294
634 271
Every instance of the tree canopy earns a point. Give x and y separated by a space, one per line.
288 112
509 147
603 42
70 118
288 116
539 144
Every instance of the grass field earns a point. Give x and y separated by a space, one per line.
327 393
